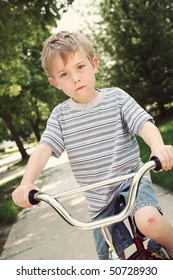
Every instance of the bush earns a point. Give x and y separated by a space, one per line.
8 212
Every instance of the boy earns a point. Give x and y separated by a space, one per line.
97 129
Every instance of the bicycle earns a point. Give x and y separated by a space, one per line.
154 251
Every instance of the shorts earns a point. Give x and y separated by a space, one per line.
121 236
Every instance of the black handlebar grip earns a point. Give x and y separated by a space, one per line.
158 163
31 197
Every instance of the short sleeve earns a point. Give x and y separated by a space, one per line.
52 136
133 115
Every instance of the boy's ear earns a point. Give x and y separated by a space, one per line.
95 63
53 82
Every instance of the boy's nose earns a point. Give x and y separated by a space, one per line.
75 78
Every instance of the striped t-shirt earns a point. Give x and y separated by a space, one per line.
99 138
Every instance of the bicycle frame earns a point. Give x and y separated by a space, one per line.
35 197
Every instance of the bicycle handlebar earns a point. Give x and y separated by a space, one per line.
35 197
158 165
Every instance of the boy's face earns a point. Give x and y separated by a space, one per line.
76 77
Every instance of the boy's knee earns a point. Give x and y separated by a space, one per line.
147 220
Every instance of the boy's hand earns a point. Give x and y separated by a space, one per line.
20 195
165 155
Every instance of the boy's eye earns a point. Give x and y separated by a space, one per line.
81 66
63 75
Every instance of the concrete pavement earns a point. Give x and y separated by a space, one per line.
40 233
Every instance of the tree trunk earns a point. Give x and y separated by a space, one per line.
35 130
161 108
11 127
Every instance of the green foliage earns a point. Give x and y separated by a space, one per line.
25 95
137 41
8 212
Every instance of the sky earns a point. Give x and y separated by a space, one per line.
72 20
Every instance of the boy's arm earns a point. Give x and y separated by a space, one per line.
36 163
151 135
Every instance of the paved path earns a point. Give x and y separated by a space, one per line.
41 234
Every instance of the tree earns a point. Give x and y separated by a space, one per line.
138 39
24 25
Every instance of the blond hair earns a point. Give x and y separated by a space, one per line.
62 44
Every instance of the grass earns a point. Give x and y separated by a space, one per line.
7 187
164 179
8 210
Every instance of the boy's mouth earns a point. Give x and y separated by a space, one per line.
79 88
